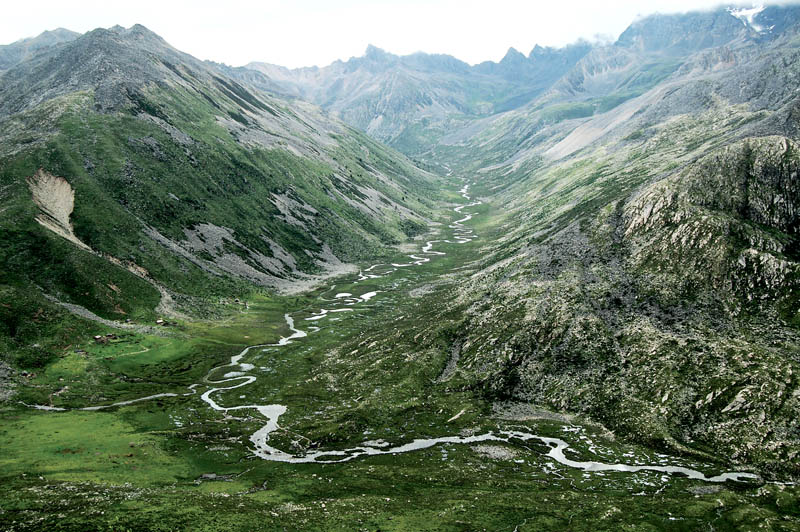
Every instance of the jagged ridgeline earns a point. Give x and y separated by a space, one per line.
411 102
133 174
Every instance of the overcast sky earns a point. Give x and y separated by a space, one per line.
315 32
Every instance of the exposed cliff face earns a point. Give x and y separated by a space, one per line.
756 179
56 200
680 34
728 226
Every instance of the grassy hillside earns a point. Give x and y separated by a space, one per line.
177 187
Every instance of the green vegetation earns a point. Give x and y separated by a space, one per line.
173 463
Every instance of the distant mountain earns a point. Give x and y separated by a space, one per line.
411 102
12 54
659 57
408 100
683 34
542 66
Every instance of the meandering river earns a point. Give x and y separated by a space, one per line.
239 375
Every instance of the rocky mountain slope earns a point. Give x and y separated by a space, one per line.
133 176
644 270
646 273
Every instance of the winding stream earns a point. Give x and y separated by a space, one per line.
238 377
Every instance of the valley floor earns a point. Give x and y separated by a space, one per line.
313 427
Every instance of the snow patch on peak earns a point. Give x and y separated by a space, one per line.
747 15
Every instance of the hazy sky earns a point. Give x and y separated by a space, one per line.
316 32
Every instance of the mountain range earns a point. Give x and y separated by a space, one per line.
634 267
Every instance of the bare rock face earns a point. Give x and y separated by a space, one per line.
669 314
7 384
755 179
56 199
679 34
729 223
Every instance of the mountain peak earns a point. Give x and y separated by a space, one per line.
684 33
539 52
23 49
373 52
513 55
47 38
374 59
108 61
137 31
60 33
